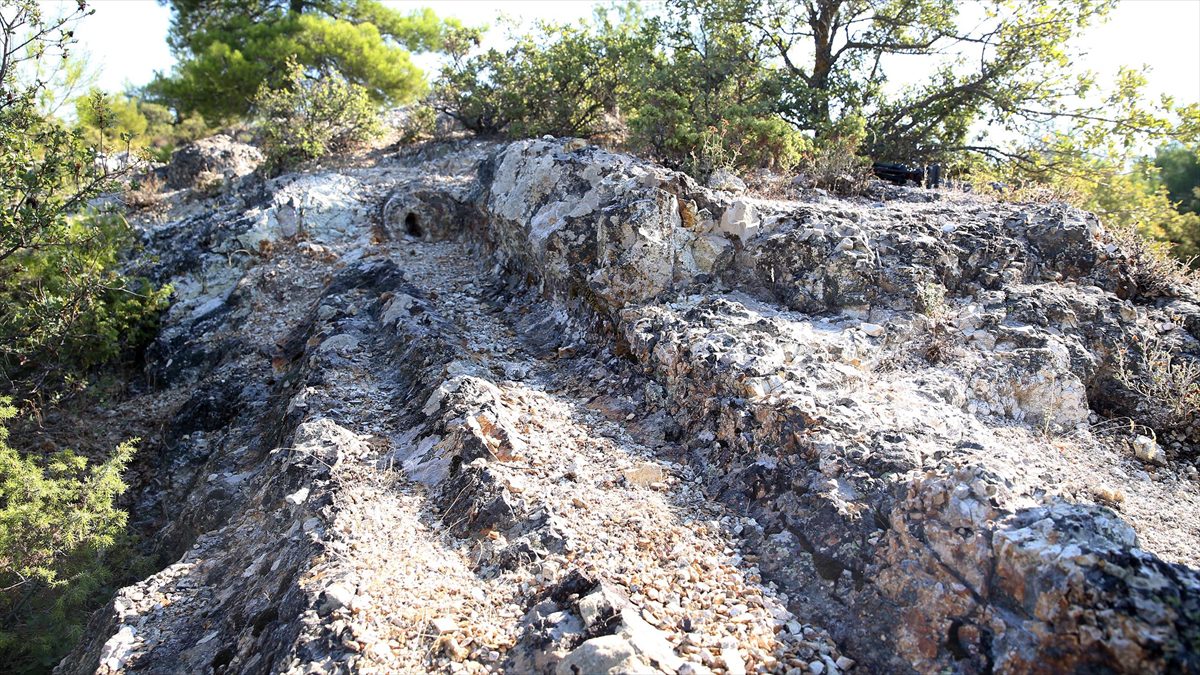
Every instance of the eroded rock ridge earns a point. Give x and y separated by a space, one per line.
538 407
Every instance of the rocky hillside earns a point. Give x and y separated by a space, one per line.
541 408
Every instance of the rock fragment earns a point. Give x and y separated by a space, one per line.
644 474
1148 450
336 596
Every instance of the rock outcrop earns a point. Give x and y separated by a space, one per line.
538 407
216 158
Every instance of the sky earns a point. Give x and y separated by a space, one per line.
125 40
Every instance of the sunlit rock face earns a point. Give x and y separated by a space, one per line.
539 407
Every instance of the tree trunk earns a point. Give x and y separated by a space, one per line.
823 27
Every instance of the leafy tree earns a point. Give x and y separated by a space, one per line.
1097 159
134 124
104 118
59 81
228 49
1136 200
65 306
1179 169
481 92
1005 62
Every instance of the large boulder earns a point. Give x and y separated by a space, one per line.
214 156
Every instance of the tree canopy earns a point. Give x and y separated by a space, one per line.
1179 168
228 49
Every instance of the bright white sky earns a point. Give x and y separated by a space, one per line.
126 39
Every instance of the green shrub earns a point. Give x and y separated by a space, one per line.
480 92
58 523
833 162
742 143
69 306
710 96
311 117
419 124
560 79
51 509
638 83
66 306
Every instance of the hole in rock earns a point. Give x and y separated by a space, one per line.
222 659
264 619
954 642
412 227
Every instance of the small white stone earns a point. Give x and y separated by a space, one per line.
515 485
337 595
115 652
343 343
726 180
740 220
1148 450
871 329
297 497
733 662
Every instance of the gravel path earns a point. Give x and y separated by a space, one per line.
426 599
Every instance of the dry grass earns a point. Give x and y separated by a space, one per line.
1167 382
1155 271
1029 193
767 184
209 183
144 192
836 168
931 300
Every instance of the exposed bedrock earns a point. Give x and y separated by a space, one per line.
538 407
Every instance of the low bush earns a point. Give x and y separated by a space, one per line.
634 83
129 123
833 162
69 306
560 79
419 123
143 192
833 165
309 117
740 143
